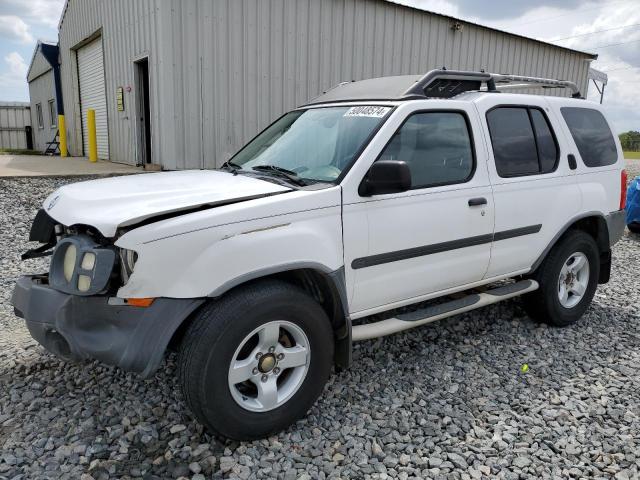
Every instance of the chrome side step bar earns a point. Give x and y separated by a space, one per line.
429 314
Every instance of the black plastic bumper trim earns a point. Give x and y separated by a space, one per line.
73 327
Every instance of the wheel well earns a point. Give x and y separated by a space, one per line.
597 228
325 288
593 225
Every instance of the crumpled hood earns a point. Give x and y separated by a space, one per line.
109 203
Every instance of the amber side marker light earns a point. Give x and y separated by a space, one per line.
140 302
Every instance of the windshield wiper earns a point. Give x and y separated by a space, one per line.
282 172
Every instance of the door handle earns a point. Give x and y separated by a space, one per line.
476 202
572 161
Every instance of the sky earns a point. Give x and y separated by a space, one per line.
609 28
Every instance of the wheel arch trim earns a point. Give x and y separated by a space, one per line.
602 221
334 278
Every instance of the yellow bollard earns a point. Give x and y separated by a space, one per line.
62 132
93 143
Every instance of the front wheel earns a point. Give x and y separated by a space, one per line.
254 362
568 279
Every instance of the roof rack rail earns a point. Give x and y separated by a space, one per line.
445 83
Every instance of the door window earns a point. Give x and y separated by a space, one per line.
522 140
437 146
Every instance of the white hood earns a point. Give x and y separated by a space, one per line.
109 203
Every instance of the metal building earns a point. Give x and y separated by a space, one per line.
183 84
15 125
44 93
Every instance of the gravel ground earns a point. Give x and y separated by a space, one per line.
447 400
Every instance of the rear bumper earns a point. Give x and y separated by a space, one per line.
616 221
73 327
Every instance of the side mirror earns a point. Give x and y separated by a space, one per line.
386 176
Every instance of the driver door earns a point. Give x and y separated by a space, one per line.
403 247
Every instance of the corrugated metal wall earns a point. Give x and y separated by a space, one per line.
41 90
38 66
128 30
221 70
14 117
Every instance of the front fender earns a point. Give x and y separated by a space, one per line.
209 261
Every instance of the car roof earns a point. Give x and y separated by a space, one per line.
439 84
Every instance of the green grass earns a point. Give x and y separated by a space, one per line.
632 155
19 151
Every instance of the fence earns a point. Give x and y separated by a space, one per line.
15 125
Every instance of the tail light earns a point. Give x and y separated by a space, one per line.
623 189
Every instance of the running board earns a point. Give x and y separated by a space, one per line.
429 314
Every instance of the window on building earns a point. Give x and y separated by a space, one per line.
523 141
39 115
437 147
592 135
52 113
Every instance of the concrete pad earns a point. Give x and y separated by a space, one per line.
46 166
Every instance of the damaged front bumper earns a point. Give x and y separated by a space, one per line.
75 328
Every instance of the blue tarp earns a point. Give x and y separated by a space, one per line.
633 202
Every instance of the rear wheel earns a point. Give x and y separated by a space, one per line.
568 279
254 362
634 227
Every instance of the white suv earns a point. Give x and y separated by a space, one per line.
379 194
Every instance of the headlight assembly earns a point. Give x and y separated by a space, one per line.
80 266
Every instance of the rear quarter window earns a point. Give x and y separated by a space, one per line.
592 136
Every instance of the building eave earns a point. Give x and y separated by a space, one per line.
402 3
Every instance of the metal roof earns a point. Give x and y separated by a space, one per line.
479 25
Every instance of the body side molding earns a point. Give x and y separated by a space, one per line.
424 250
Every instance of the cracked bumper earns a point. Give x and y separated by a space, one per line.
75 328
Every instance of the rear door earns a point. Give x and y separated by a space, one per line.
534 188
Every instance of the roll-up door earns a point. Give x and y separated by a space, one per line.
93 95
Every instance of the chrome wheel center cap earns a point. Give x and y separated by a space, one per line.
267 363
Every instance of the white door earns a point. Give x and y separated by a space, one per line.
93 95
534 187
436 236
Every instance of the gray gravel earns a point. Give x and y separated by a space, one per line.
445 401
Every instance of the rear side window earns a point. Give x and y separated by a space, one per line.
437 147
592 135
522 140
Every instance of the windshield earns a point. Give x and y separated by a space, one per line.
315 144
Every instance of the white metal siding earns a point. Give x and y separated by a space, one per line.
41 90
93 95
14 117
221 70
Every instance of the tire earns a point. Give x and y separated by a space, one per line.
634 227
545 304
235 329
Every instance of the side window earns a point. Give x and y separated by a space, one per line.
592 135
39 115
547 149
522 140
437 147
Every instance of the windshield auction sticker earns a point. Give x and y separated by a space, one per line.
367 111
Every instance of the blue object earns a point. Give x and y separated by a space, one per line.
633 202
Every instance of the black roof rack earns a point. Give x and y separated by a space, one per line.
441 83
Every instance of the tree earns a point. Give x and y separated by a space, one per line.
630 141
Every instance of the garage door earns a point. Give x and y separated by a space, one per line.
93 95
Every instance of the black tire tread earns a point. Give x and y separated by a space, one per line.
539 304
216 316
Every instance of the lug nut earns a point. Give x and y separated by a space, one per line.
280 356
255 371
264 378
258 355
272 349
276 370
